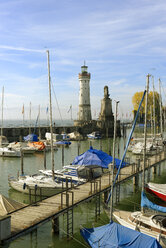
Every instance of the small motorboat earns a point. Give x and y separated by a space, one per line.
9 152
94 135
37 184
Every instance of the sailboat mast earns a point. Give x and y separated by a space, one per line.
30 118
39 123
23 115
161 119
112 169
51 129
154 114
145 133
2 112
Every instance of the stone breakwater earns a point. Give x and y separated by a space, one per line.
17 133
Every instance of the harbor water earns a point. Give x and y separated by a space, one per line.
84 214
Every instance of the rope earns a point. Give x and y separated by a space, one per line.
57 102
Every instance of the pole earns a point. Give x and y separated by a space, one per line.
49 83
2 112
151 120
22 162
39 124
23 115
45 158
145 133
154 114
71 112
161 119
30 119
112 169
62 156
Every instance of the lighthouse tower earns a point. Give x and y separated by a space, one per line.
84 113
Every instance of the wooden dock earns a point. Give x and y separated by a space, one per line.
30 217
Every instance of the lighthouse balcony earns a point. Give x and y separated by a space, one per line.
84 74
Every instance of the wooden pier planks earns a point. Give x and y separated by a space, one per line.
33 215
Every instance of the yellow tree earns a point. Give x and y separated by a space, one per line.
136 101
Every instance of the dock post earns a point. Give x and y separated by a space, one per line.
159 170
62 155
55 225
78 148
136 177
100 144
105 196
109 147
148 168
97 207
154 170
45 158
22 162
135 180
117 193
118 150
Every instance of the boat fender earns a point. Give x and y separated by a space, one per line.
24 185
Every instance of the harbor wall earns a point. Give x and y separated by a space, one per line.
17 133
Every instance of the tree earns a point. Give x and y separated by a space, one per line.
136 101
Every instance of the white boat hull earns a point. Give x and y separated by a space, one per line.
35 188
129 220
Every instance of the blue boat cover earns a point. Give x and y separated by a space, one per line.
114 235
63 142
146 203
31 137
96 157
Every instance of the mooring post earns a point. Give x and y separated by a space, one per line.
138 165
62 155
105 196
22 162
78 148
148 174
30 199
117 193
118 149
159 169
55 225
100 144
109 146
124 143
154 171
45 158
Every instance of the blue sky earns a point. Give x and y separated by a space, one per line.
120 40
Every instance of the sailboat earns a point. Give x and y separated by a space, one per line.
153 225
113 234
46 184
6 151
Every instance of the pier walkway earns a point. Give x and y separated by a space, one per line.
30 217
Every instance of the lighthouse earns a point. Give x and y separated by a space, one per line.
84 113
